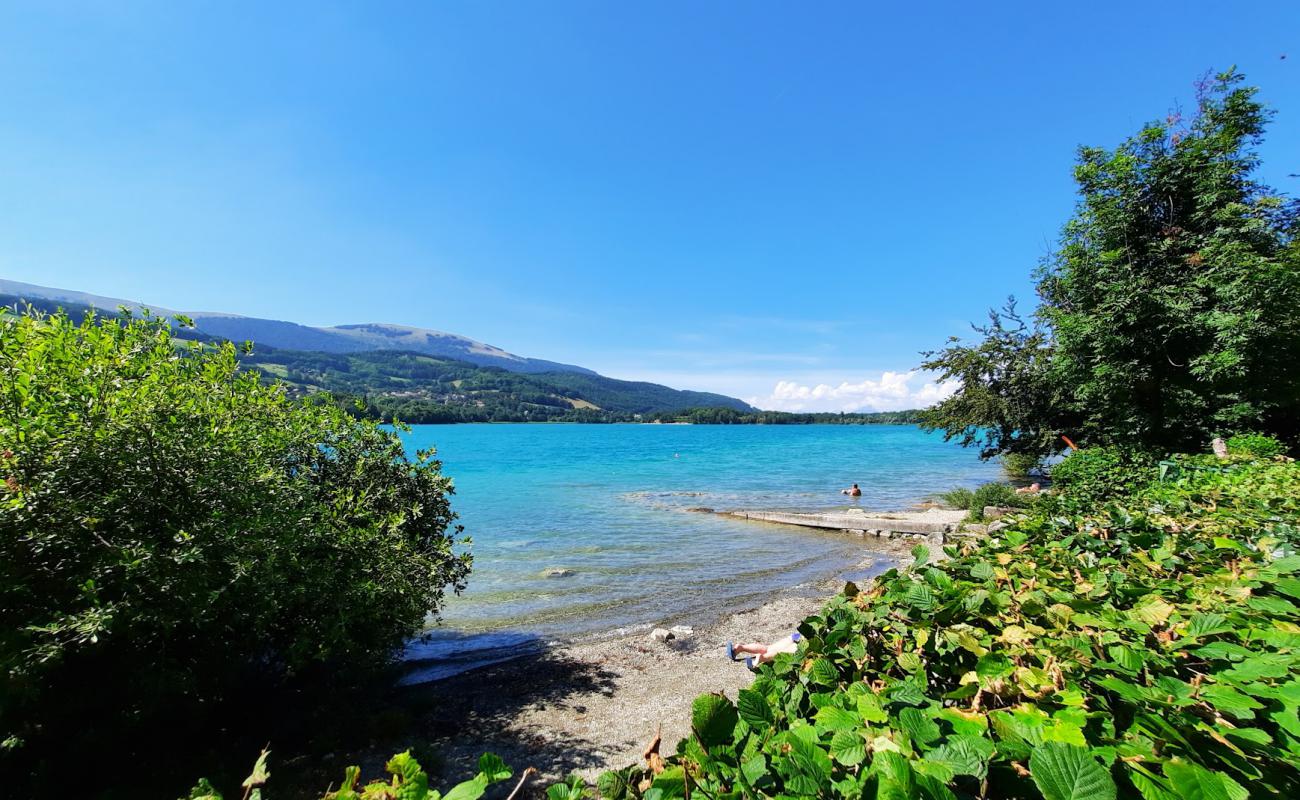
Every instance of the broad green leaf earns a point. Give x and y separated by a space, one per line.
823 673
1125 658
920 596
963 755
1064 772
1230 701
971 722
1223 651
754 709
848 747
833 718
1207 625
754 769
492 768
1149 788
870 708
907 693
1194 782
1270 665
918 726
993 665
713 718
920 555
612 785
1273 605
1153 609
671 782
468 790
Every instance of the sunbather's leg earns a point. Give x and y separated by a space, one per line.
786 645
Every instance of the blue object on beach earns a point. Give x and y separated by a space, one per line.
731 652
795 637
749 664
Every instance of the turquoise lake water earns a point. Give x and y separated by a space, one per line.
609 504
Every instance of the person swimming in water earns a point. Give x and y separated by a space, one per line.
853 491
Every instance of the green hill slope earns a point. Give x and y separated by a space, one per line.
420 388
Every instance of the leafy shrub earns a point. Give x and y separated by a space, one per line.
1096 475
1021 465
1256 445
1148 650
409 782
959 497
173 530
995 494
990 494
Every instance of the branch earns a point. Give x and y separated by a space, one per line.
528 773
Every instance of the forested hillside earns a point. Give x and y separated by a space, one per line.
423 389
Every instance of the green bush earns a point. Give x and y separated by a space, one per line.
1147 650
960 497
174 533
1096 475
995 494
1256 445
1021 465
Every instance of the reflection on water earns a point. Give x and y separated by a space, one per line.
580 530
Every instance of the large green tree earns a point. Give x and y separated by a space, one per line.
174 531
1167 315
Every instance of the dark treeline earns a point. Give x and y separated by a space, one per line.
728 416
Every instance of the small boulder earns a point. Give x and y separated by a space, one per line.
682 631
661 635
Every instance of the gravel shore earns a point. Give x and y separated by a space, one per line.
592 706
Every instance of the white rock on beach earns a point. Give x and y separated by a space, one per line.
661 634
682 630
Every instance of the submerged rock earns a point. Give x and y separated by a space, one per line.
557 572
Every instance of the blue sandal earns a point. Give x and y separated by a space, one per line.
731 652
749 665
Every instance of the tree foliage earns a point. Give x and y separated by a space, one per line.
1167 314
172 529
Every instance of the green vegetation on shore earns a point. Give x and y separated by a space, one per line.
1168 314
179 542
1146 648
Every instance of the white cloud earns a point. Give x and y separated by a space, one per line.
893 392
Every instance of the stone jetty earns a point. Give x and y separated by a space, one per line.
911 523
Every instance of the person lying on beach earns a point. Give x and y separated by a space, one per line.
1032 488
854 491
765 652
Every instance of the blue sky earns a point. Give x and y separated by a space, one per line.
723 196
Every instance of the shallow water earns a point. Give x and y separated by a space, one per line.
609 504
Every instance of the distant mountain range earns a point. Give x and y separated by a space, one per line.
292 336
416 374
